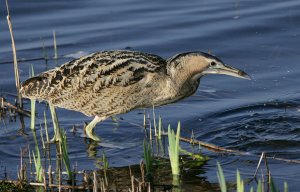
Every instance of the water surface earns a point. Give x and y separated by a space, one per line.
260 37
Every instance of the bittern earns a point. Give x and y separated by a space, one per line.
107 83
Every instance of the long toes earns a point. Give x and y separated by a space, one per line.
92 136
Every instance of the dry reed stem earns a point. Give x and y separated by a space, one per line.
13 107
210 146
45 181
55 45
50 175
142 168
16 69
258 165
95 186
217 149
49 185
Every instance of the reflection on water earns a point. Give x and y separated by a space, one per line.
259 37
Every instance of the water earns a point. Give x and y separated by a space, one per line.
260 37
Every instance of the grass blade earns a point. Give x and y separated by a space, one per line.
221 178
239 182
174 149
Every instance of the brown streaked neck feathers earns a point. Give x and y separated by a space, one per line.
186 68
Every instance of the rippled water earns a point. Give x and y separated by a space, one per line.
260 37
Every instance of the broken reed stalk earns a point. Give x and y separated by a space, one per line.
154 123
16 69
218 149
46 127
144 123
32 105
150 129
210 146
42 138
55 45
32 119
11 106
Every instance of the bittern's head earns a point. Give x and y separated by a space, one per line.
193 65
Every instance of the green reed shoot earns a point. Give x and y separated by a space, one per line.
285 187
240 183
32 102
105 162
174 149
38 166
198 157
105 167
37 159
60 136
148 157
221 178
65 154
259 186
273 187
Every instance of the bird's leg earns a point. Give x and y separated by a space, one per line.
57 132
89 128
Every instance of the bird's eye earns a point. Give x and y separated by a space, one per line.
213 64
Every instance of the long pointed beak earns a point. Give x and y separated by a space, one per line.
228 70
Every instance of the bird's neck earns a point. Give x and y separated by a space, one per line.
186 70
184 84
185 77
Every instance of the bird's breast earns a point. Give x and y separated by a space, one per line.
165 92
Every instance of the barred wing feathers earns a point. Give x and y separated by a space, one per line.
105 75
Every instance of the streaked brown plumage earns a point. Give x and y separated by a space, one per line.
107 83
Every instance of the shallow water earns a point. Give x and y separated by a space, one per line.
260 37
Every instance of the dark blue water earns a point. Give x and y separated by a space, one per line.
260 37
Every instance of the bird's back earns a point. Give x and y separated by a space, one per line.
92 82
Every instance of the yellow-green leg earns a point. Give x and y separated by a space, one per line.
89 129
57 131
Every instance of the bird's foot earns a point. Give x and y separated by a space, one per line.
89 132
89 128
92 136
